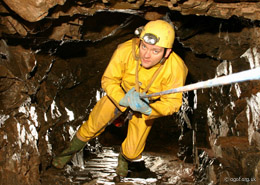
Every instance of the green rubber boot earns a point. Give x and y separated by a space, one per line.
122 166
64 157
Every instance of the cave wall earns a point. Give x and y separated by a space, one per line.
226 117
48 91
52 59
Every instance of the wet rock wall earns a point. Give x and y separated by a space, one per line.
47 91
231 112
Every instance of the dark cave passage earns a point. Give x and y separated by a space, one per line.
164 135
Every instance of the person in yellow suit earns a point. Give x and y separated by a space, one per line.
139 66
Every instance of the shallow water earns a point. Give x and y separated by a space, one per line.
157 168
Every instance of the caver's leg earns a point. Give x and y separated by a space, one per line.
101 114
134 143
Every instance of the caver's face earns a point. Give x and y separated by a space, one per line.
150 55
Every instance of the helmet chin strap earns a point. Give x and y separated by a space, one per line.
163 58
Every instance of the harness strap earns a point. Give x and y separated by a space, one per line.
153 78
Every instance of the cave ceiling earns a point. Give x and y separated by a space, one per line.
59 19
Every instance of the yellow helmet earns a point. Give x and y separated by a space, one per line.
159 33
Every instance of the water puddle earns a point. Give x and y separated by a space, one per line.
156 169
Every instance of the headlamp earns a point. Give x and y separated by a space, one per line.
139 30
150 38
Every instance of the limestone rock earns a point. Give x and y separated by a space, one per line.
31 10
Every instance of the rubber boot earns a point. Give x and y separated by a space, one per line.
64 157
122 166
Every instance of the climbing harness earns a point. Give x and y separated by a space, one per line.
122 117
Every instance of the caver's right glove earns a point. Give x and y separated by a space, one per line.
125 100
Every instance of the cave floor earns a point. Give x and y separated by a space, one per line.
157 168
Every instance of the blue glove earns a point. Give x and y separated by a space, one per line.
125 100
136 104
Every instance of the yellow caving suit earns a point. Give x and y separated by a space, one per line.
119 75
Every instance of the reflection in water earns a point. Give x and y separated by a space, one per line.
159 169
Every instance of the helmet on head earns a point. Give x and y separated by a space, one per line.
159 33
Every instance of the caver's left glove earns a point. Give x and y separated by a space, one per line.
138 104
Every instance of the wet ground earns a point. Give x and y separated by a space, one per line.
99 169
